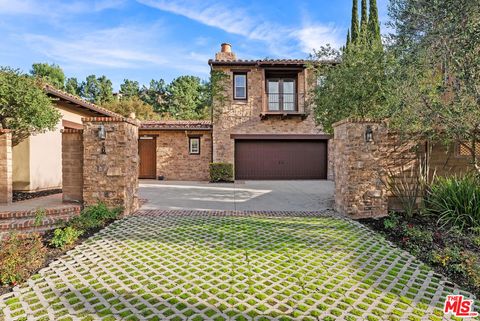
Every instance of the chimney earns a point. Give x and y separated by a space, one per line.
225 53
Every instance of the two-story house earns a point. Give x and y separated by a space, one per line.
261 123
265 126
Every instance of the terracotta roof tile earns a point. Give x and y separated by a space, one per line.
79 101
260 62
177 124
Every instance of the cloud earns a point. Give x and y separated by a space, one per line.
280 39
107 47
127 47
52 8
314 36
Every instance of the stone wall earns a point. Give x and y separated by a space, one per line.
243 117
362 168
6 166
174 161
72 165
110 170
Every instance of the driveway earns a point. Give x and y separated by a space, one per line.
239 266
312 195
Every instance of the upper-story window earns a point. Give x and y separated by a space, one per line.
240 86
281 94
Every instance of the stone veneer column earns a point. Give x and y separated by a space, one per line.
5 166
359 166
110 165
72 165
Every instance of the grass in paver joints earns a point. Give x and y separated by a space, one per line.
237 268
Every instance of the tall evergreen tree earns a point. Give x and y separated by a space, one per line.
348 40
354 27
373 33
364 21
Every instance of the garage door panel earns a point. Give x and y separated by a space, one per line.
277 159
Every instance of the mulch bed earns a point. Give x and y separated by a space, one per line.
442 239
53 253
22 196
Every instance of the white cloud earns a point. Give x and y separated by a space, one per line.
312 37
17 7
109 48
280 39
124 47
51 8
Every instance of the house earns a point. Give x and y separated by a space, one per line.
37 161
264 126
175 149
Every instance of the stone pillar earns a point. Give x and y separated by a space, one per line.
6 165
359 166
72 165
110 162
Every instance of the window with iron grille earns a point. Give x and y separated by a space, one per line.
464 149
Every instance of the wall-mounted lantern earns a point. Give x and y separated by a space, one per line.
369 134
102 134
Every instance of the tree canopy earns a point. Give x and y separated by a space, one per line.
438 44
24 106
127 106
51 73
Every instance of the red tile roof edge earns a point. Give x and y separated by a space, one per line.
79 101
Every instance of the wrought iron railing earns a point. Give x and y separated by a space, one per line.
284 102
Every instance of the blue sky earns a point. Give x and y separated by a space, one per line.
153 39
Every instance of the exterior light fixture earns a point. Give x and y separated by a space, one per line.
102 134
369 134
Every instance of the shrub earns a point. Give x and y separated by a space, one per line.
391 222
95 216
19 257
64 237
221 172
455 201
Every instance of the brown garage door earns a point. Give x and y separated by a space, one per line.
281 159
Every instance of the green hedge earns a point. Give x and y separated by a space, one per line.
221 172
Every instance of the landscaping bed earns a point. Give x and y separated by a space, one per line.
22 196
449 251
23 255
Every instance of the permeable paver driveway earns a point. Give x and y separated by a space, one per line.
231 266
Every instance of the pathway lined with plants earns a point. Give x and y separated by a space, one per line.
193 265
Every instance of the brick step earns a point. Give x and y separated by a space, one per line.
25 222
33 213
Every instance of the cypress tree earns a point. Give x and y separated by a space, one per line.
354 27
373 32
348 38
364 21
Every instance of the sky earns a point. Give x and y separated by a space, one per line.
163 39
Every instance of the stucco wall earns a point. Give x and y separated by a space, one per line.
173 159
37 161
243 117
21 165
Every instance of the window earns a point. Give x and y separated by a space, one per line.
464 150
281 94
240 86
194 145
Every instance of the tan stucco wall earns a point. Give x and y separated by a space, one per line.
37 161
21 165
